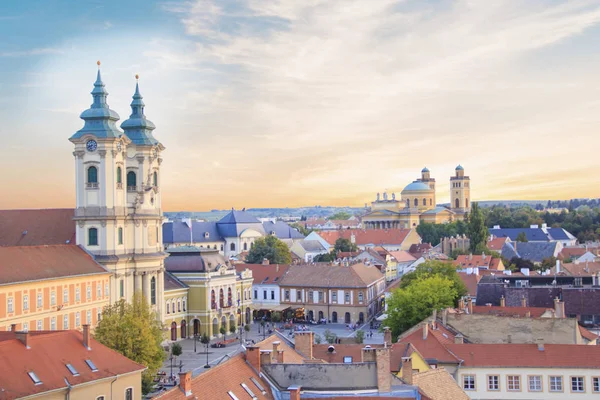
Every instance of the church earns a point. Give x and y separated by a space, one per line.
417 204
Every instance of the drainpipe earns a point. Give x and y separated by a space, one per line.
111 385
69 387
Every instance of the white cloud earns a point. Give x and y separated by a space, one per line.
32 52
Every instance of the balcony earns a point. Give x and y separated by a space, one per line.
91 185
132 188
119 186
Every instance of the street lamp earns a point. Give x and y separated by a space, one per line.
205 340
195 340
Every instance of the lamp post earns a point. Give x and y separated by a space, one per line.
195 340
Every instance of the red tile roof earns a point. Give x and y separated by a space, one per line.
470 281
218 381
432 347
417 250
47 356
367 236
353 276
527 355
32 263
47 226
472 261
402 256
496 244
571 252
321 352
264 274
587 334
172 283
534 312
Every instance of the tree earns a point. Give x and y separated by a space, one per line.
176 349
412 304
522 237
232 329
548 263
360 336
223 332
272 249
433 268
342 215
344 245
318 339
301 228
327 257
135 331
330 337
518 263
476 230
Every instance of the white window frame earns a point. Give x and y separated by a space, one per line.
10 305
25 302
579 379
40 300
88 291
66 321
535 379
53 297
558 380
468 380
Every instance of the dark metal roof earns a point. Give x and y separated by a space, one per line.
533 234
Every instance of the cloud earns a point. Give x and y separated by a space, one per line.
32 52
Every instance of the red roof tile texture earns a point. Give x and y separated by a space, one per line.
368 236
264 274
471 261
470 281
534 312
32 263
321 352
433 346
37 227
496 244
353 276
47 356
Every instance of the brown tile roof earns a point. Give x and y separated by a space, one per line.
290 355
587 334
321 351
534 312
395 285
367 236
47 357
402 256
218 381
172 283
472 261
434 346
438 384
354 276
571 252
417 250
497 243
32 263
527 355
398 351
48 226
347 254
580 269
264 274
470 281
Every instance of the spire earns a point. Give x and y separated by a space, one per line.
137 105
99 92
137 127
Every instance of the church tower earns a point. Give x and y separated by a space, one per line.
118 205
460 192
428 180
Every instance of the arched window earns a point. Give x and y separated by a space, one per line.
168 308
456 203
232 247
153 291
221 298
221 247
424 202
229 299
184 305
245 246
93 237
416 202
213 300
183 329
466 203
178 305
119 176
120 235
131 181
430 202
155 179
407 203
92 175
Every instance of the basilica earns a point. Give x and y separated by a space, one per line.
417 204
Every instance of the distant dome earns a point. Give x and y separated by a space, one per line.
416 187
459 168
425 169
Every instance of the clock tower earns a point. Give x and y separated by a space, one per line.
118 200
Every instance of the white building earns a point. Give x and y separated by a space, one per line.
266 295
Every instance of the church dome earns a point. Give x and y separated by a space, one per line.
459 168
416 187
425 169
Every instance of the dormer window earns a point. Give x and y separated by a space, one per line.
72 370
34 378
206 235
92 366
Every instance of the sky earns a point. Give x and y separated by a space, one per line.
286 103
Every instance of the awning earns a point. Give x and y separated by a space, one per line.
270 307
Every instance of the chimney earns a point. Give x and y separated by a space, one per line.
559 308
509 338
445 317
557 267
185 383
459 339
86 337
265 261
470 305
407 370
368 354
515 246
387 336
528 314
280 357
294 392
23 336
523 301
502 301
461 304
384 376
275 351
303 343
540 343
265 357
277 268
425 330
253 357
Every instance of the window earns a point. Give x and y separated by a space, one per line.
153 291
131 181
72 370
416 202
40 325
77 319
178 305
25 326
155 179
88 319
596 385
93 237
129 394
334 296
493 382
53 298
272 295
91 364
321 297
360 297
53 324
424 202
66 321
98 290
77 294
92 177
88 292
255 294
287 295
25 302
347 297
245 246
121 288
535 383
39 300
213 300
347 359
34 378
577 384
183 304
264 294
250 392
469 382
106 290
119 178
310 296
232 246
514 382
168 307
298 295
120 235
100 398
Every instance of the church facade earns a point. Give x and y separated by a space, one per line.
417 204
118 211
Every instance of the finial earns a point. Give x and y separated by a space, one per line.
137 77
98 63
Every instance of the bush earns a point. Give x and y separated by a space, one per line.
360 336
176 349
330 337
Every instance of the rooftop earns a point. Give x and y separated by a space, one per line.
354 276
367 236
269 274
37 227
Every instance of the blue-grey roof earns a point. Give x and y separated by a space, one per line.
99 119
532 251
416 186
459 168
425 169
532 234
312 245
559 234
137 127
179 232
239 217
282 230
508 251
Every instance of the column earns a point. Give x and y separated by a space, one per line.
138 282
160 293
146 286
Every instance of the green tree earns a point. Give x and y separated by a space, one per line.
476 230
223 332
272 249
340 215
433 268
301 228
330 337
360 336
327 257
344 245
547 263
176 349
232 329
318 339
412 304
522 237
135 331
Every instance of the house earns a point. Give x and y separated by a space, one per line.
419 250
266 294
390 239
404 261
381 258
470 280
449 244
335 224
536 252
581 254
37 227
483 261
496 243
337 293
536 234
307 250
65 365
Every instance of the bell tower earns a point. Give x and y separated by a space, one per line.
460 191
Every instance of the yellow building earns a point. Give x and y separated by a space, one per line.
417 204
212 293
50 288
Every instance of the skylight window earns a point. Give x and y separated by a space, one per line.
72 370
247 389
34 378
258 385
347 360
233 396
276 279
92 366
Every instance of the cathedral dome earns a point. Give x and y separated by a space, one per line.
416 187
425 169
459 168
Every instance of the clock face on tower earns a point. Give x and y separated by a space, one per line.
91 145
